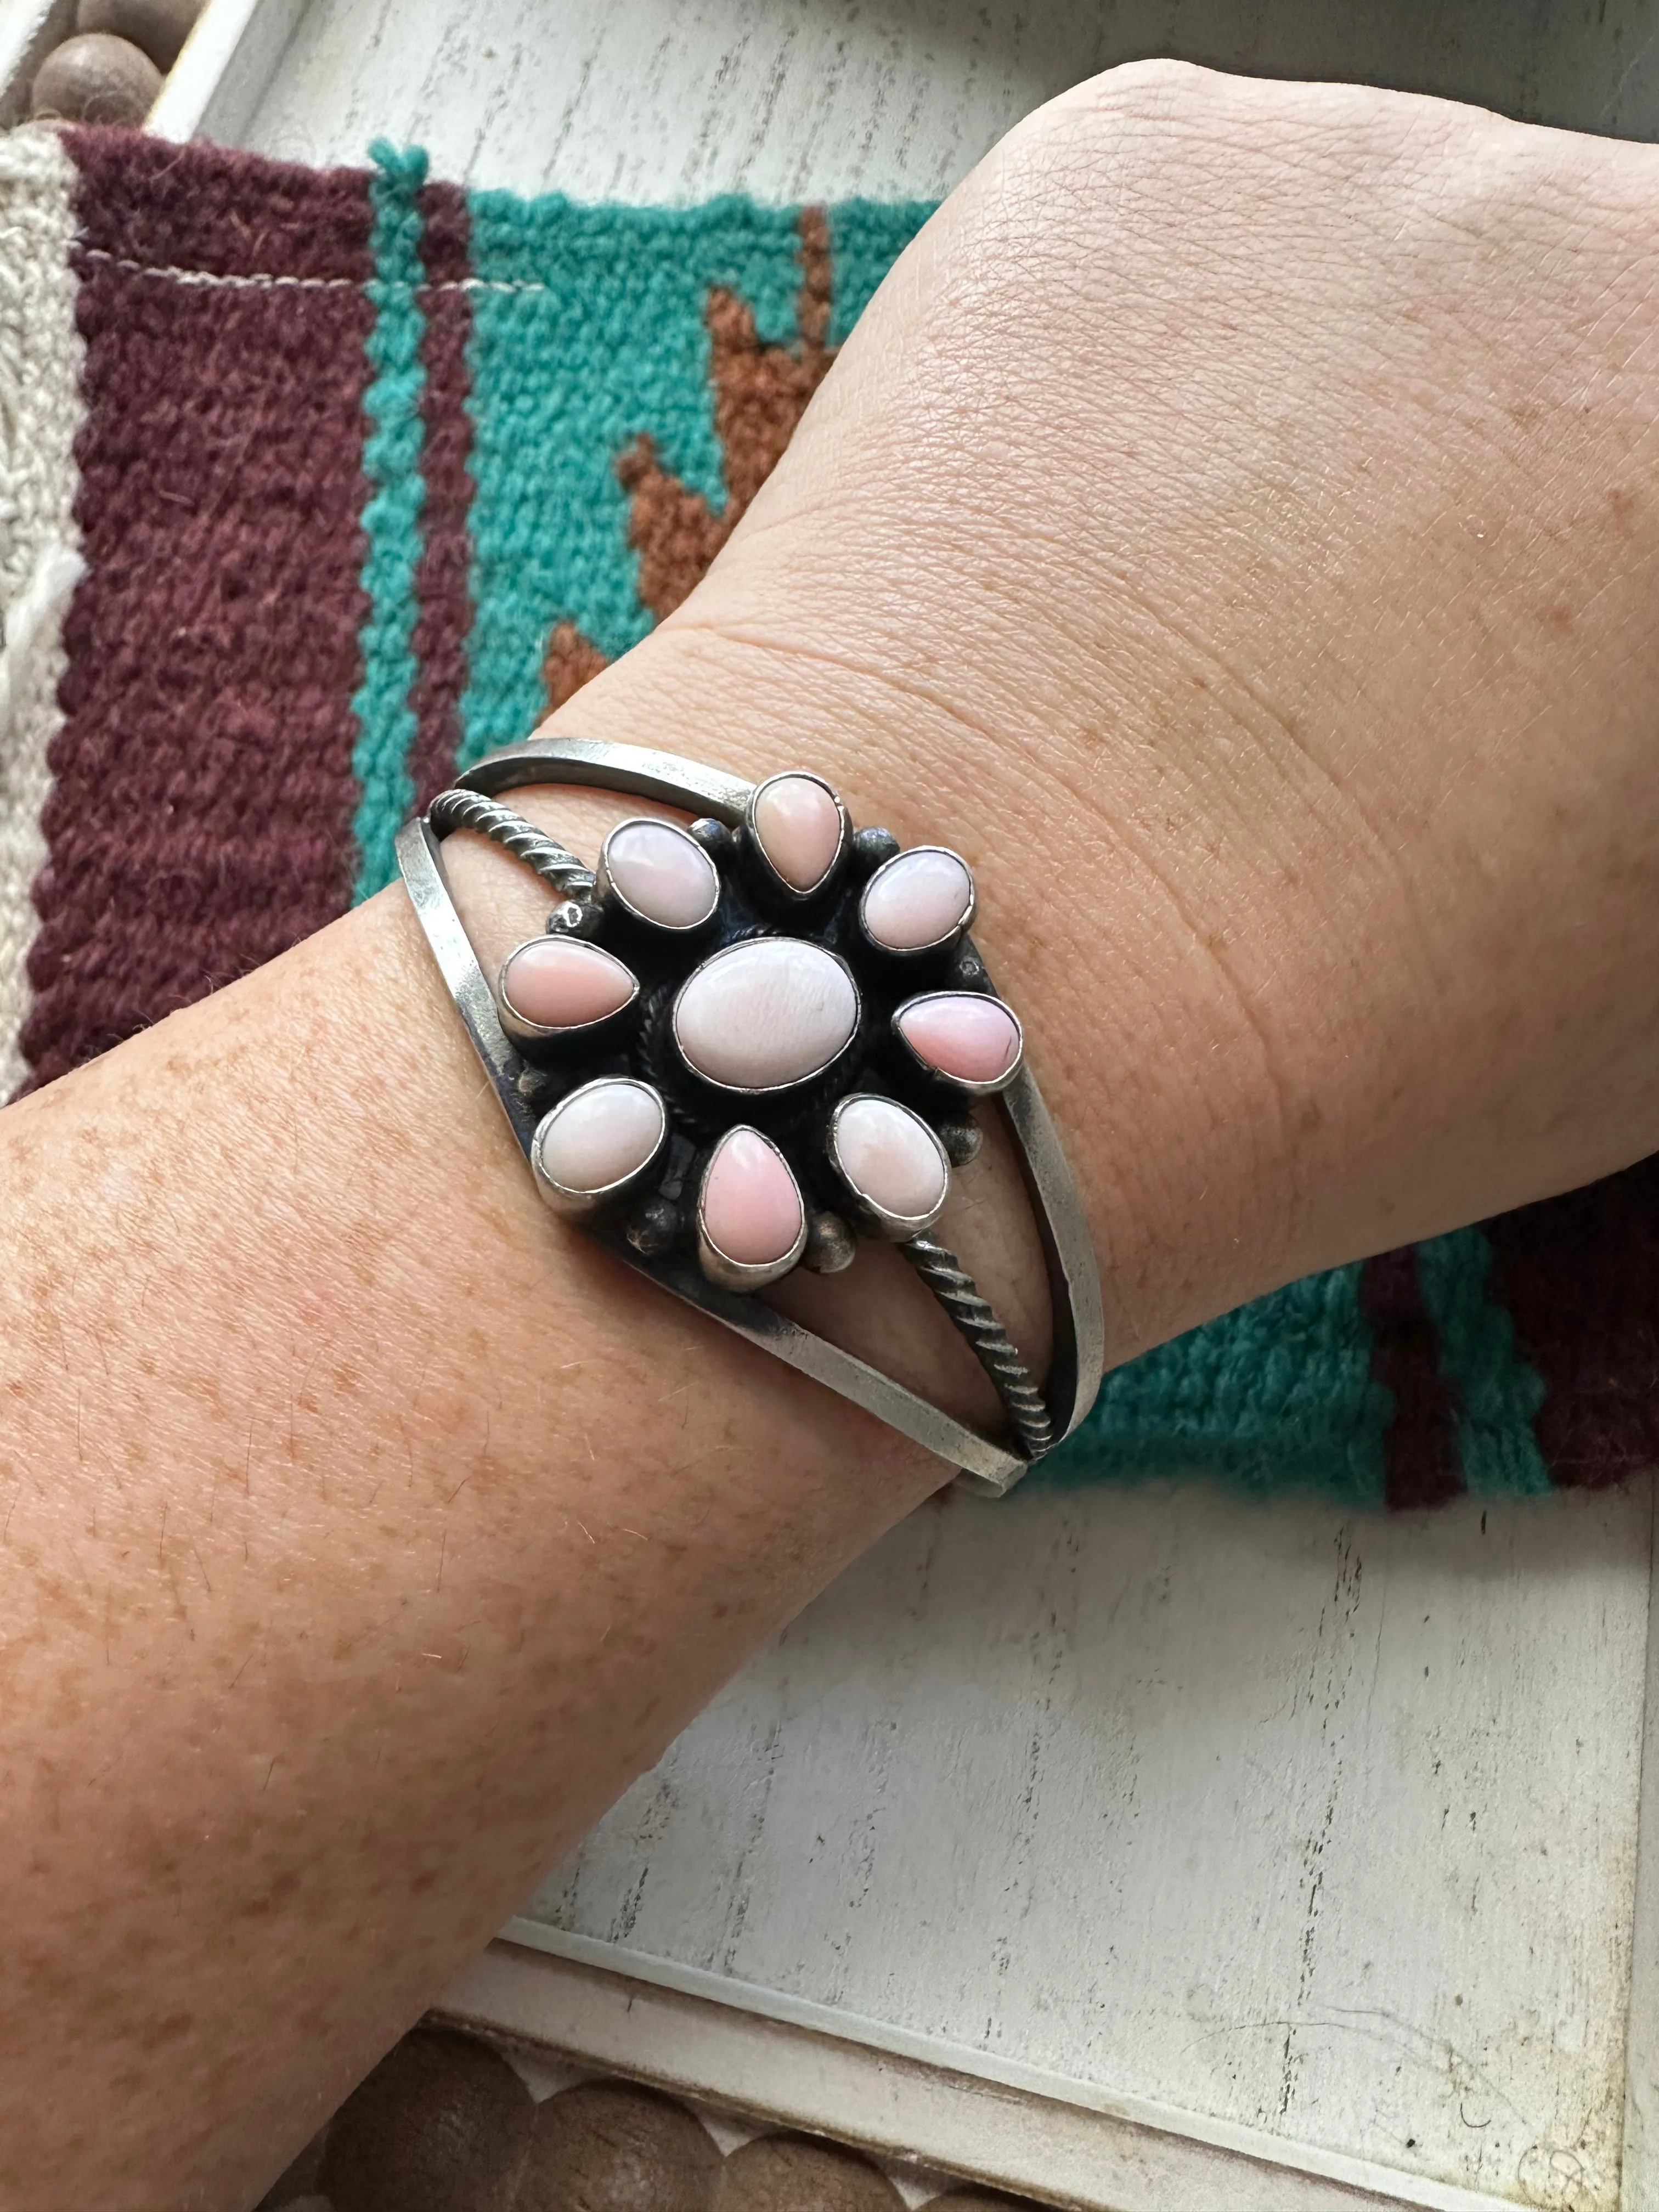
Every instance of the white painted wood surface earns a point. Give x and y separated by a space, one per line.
1324 1830
217 82
29 29
1249 1860
815 99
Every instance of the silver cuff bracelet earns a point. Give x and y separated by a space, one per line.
738 1046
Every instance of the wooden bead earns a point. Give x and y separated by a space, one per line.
794 2173
95 79
611 2147
160 27
442 2124
978 2200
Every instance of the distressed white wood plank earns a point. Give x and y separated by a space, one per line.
221 76
1325 1829
29 29
906 2101
666 100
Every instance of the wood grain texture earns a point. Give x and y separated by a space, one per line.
664 100
1327 1829
905 2101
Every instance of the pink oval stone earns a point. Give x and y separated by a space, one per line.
751 1207
600 1135
797 825
967 1036
764 1014
891 1158
564 983
917 899
662 873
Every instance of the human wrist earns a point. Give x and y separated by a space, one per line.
1276 650
978 1216
1057 944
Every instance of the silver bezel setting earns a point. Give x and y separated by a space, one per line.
608 892
989 1463
529 1032
783 888
739 1274
575 1205
763 1090
896 1225
956 1082
935 944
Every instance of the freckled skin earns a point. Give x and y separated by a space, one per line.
363 1533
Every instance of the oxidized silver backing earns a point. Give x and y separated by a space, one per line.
987 1464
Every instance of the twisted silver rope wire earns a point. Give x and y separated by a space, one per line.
938 1267
470 810
956 1291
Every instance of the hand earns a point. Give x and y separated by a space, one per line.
1233 524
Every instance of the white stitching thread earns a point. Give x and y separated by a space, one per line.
263 281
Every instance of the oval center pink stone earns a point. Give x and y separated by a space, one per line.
965 1034
565 983
662 873
890 1157
799 827
916 899
765 1014
750 1205
601 1134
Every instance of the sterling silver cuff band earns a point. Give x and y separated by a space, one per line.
741 1045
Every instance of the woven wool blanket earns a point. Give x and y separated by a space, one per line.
314 485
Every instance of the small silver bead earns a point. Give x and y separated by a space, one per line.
572 918
653 1228
831 1245
873 849
961 1140
715 838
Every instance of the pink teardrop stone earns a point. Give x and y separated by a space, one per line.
662 873
799 825
916 899
564 983
965 1034
890 1157
751 1208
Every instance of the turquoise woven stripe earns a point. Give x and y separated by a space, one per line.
589 330
1275 1395
391 462
1500 1393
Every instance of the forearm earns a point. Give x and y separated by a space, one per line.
365 1533
366 1530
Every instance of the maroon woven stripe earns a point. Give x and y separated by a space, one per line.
1421 1461
1579 1276
200 819
234 214
443 577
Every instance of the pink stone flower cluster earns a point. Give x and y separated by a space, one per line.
780 1027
